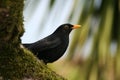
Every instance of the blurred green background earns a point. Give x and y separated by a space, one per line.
94 49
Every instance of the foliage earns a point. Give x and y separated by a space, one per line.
99 38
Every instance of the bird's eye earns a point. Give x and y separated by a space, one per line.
66 27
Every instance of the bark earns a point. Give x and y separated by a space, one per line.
17 63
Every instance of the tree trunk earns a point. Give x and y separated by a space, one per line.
17 63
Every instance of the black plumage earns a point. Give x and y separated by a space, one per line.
52 47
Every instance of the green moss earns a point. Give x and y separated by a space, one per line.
18 63
11 19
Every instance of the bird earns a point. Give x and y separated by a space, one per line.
52 47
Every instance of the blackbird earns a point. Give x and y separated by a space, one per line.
52 47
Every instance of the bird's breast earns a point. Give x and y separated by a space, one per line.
60 50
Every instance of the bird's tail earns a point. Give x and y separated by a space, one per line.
26 45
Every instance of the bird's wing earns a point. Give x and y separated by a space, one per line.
44 44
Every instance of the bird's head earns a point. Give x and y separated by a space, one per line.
66 28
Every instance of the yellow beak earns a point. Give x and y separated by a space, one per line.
76 26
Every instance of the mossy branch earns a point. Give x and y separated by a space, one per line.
17 63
